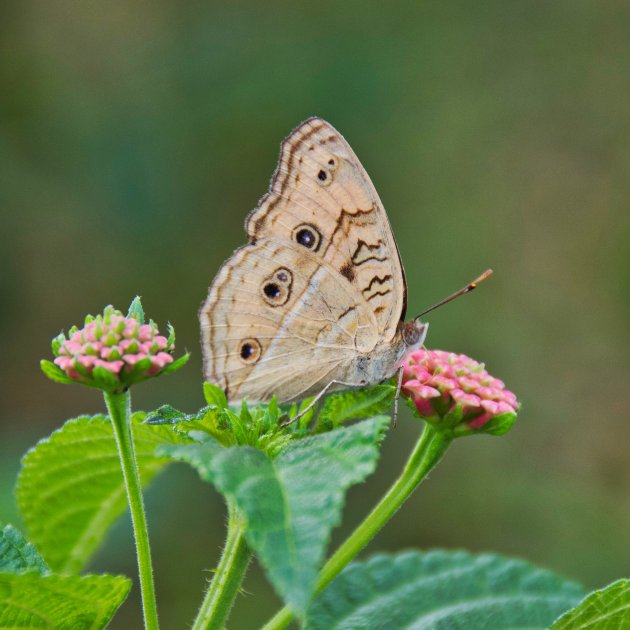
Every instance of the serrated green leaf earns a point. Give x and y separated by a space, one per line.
354 404
54 372
214 395
31 601
208 420
291 502
442 589
135 309
166 414
17 554
173 367
70 488
606 609
171 335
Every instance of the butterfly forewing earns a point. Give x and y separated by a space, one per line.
321 188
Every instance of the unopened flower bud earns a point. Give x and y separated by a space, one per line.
112 352
455 392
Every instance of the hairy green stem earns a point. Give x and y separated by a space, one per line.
228 577
119 407
427 453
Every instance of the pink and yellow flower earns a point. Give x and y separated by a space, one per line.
112 351
456 391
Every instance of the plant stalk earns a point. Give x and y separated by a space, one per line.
225 585
119 407
427 453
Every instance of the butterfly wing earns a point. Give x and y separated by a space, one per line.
322 199
279 320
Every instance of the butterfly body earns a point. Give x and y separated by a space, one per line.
318 294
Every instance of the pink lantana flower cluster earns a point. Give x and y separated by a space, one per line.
112 352
454 391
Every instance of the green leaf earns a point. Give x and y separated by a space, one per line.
70 489
135 309
442 589
32 598
31 601
167 414
208 420
173 367
499 425
57 342
354 404
54 372
17 554
171 335
214 395
104 379
606 609
291 502
304 420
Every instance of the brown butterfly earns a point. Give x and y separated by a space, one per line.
316 300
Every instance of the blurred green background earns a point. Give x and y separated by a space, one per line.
135 137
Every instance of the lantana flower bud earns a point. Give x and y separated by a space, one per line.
112 352
456 392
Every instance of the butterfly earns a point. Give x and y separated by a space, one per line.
316 300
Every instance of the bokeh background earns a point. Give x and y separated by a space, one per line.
135 137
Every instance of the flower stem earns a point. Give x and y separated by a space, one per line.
119 407
427 453
228 577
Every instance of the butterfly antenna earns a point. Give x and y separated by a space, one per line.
467 289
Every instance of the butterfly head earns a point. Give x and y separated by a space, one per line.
414 333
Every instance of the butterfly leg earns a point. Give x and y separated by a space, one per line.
315 401
397 396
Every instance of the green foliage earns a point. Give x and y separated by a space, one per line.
56 343
104 379
54 372
30 597
167 414
259 426
442 589
499 425
176 364
606 609
70 489
290 502
354 404
30 601
265 426
17 554
214 395
135 309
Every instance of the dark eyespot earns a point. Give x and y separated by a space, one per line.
331 162
276 288
250 351
322 176
272 290
305 237
308 236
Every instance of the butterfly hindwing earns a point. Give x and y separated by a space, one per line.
273 309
